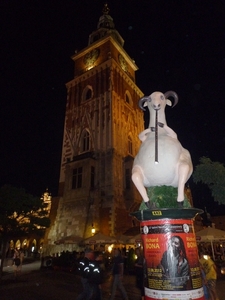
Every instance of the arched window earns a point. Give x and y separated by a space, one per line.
18 244
85 141
87 93
128 98
34 246
130 145
25 244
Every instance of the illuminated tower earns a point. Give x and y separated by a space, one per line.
102 123
47 198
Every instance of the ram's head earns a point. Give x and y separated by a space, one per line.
158 100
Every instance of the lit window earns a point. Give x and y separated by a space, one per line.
77 178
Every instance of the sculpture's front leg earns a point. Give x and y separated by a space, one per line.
143 135
183 173
138 180
185 169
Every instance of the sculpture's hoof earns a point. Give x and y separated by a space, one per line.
180 204
150 205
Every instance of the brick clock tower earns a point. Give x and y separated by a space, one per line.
102 123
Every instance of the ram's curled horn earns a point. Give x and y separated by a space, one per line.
141 101
172 94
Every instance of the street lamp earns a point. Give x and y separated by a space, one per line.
93 229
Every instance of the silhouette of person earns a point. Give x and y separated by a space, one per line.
117 271
85 270
18 261
139 271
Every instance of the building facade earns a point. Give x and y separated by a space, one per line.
31 244
102 123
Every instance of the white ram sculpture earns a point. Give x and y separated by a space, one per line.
161 159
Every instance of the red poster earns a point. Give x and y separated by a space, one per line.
172 266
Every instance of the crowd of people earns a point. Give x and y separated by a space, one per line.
218 251
91 268
92 281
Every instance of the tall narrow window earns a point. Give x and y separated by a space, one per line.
92 177
77 178
128 98
130 145
88 94
127 178
85 141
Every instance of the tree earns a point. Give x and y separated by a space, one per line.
20 215
213 175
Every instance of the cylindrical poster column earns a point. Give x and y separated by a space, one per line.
171 254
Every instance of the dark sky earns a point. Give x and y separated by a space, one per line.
177 45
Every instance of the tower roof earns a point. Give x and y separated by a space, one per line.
106 21
105 27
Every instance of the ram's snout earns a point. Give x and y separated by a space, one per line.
156 106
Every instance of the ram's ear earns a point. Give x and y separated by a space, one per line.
145 104
168 102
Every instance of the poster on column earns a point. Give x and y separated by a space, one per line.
171 258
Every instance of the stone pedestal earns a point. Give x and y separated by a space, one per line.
172 269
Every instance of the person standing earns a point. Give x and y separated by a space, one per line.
85 267
117 271
139 271
98 274
18 261
209 268
204 284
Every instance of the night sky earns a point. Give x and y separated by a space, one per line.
177 45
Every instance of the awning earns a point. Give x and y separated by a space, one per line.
72 239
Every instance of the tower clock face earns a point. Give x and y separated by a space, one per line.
91 57
122 62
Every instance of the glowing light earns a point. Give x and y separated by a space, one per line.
90 67
93 229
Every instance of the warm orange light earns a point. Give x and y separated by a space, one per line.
93 229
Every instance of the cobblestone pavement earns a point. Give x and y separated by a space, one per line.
55 285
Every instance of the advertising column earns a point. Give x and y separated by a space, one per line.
171 254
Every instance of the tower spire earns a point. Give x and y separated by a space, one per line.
106 21
105 9
105 27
